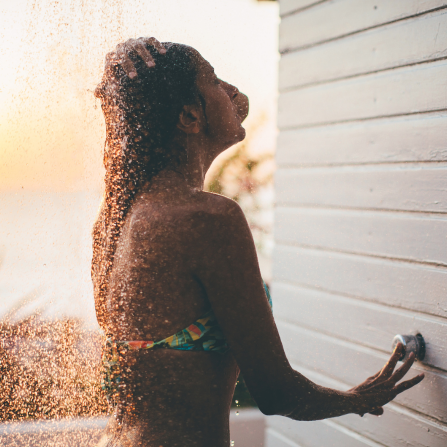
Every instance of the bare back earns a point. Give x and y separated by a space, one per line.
153 290
154 293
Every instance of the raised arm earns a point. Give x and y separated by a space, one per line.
227 267
140 47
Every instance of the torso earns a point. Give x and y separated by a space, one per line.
184 397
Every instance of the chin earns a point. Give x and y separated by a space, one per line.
242 134
237 137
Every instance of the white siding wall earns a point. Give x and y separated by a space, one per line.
361 214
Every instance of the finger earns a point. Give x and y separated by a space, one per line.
392 362
377 374
120 50
125 61
144 53
403 369
110 57
377 411
128 66
153 42
408 384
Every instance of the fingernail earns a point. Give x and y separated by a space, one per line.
132 75
162 51
151 64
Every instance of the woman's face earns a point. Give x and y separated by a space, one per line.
224 107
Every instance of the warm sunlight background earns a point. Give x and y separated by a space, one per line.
51 128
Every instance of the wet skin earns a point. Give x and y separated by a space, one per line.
183 251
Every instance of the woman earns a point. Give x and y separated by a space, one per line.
175 268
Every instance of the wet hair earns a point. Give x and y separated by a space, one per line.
141 116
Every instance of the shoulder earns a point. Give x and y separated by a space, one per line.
217 214
220 224
204 206
220 206
204 212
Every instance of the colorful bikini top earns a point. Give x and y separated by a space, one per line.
204 334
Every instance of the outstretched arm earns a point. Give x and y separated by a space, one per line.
228 269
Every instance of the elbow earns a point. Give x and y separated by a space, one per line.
299 413
295 397
275 407
267 410
269 406
300 406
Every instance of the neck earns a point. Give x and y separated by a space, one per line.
194 160
193 170
190 174
172 181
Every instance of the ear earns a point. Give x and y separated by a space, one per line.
189 119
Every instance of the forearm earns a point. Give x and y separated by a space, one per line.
301 399
323 403
313 402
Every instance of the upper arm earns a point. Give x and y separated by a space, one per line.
227 266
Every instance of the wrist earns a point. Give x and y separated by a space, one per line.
326 403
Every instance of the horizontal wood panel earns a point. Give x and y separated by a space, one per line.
358 321
398 429
340 17
398 139
411 41
360 234
404 285
312 434
394 235
393 187
288 6
419 88
387 430
352 364
275 439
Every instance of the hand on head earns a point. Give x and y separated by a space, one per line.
140 47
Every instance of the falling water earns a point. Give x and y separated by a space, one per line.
50 363
49 370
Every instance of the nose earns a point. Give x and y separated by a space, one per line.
239 100
233 93
231 90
